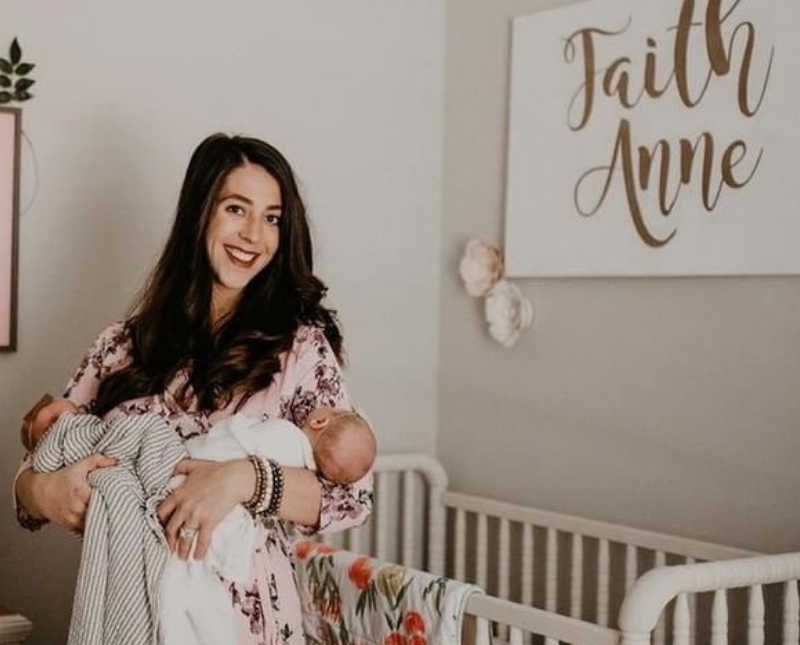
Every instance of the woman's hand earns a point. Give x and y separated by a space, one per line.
210 491
61 496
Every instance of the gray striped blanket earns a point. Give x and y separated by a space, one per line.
124 549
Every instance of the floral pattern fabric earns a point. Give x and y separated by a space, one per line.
351 599
310 377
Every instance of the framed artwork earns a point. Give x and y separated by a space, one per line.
654 138
10 129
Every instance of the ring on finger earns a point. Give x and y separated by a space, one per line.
187 532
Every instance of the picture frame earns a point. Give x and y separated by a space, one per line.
10 134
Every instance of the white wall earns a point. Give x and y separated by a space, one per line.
350 91
668 404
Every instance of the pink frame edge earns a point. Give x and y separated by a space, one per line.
8 341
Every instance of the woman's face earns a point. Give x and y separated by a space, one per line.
243 232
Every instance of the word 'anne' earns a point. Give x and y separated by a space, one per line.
616 84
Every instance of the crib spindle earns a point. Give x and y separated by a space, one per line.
680 629
505 558
461 539
551 570
631 566
482 550
576 582
482 628
408 518
503 569
790 613
659 632
527 564
382 515
719 618
755 616
692 610
603 581
516 636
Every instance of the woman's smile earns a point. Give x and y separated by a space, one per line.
239 257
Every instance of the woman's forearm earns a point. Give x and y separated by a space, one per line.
302 497
26 490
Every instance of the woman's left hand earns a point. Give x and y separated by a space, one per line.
209 492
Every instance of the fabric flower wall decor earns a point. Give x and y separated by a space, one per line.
480 268
508 311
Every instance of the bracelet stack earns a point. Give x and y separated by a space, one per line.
268 492
260 492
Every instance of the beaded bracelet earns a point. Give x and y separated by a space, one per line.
269 485
259 497
276 495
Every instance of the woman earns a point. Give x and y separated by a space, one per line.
230 321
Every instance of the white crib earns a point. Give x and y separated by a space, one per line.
555 578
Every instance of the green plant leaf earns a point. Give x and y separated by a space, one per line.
5 81
23 68
402 593
23 84
344 635
5 97
5 66
15 53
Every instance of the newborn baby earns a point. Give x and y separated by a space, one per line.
338 442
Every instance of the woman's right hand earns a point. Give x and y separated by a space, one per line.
61 496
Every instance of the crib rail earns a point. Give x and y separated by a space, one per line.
525 621
644 604
658 542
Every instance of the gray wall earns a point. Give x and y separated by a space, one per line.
124 92
668 404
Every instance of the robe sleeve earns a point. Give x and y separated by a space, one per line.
321 383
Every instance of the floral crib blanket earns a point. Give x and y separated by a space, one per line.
352 599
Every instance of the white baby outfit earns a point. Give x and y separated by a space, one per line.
195 606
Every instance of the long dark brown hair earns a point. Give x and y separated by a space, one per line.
170 322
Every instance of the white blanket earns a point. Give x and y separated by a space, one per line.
195 608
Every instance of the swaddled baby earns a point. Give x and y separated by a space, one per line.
195 608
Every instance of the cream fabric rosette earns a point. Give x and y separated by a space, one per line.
508 312
481 266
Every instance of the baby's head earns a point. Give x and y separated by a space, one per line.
343 443
41 416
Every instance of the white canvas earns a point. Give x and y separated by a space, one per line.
750 229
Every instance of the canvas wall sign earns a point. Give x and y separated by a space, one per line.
655 138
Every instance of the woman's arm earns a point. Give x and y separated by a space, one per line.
62 496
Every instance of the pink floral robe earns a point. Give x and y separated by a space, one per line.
269 606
